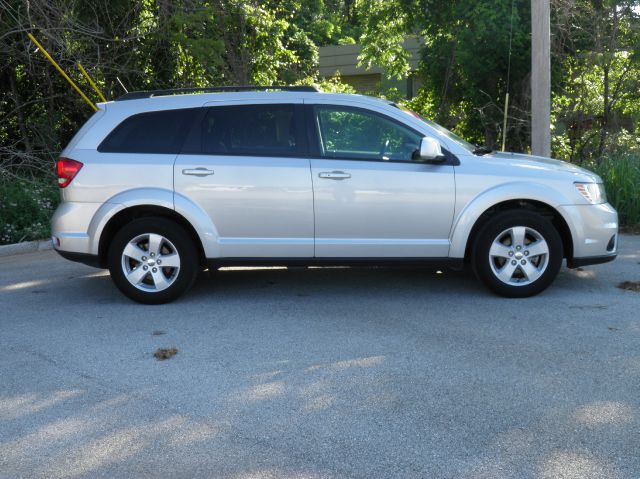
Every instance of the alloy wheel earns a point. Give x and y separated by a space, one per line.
519 256
150 262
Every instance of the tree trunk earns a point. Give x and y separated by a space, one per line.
490 136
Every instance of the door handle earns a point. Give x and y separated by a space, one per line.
334 175
200 171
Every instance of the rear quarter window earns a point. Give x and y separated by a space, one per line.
150 132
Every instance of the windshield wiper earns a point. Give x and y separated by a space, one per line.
482 150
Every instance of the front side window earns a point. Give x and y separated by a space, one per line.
264 130
354 133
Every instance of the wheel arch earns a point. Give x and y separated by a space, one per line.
144 202
126 215
537 197
540 207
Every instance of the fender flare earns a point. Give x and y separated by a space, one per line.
158 197
513 191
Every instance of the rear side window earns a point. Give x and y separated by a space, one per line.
152 132
261 130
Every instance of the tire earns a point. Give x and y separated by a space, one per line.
153 260
517 253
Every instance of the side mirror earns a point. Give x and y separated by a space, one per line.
430 150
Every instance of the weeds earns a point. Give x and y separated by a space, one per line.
621 175
26 206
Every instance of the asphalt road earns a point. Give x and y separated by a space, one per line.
364 373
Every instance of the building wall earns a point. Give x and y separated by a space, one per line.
375 82
363 83
343 60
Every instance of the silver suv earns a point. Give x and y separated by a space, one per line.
159 185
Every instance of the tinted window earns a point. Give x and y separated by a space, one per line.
153 132
264 130
358 134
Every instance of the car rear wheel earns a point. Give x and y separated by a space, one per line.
153 260
518 254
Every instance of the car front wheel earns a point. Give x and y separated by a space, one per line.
153 260
518 254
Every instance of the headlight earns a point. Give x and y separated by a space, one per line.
594 193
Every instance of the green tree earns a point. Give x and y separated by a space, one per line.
596 105
465 59
466 70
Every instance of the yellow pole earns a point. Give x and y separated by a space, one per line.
66 77
504 125
91 82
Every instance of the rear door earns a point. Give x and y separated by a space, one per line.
245 164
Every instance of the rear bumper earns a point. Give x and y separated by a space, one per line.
84 258
70 226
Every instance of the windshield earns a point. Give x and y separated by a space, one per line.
441 130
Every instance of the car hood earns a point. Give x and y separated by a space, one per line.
545 165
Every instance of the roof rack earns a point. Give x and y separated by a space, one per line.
135 95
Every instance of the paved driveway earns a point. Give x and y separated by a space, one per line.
368 373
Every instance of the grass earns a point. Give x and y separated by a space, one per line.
26 207
621 175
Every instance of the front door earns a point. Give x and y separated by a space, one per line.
370 198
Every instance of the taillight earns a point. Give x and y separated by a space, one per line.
67 169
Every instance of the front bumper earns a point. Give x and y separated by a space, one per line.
577 262
594 230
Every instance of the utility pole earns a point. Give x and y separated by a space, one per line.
540 77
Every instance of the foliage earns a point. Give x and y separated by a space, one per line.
621 175
466 71
596 100
334 85
384 28
465 59
26 207
148 44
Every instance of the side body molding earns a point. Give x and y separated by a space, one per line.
156 197
467 214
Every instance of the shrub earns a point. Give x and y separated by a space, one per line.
26 207
621 175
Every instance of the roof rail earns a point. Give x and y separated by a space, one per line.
135 95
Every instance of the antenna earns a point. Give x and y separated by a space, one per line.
122 85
